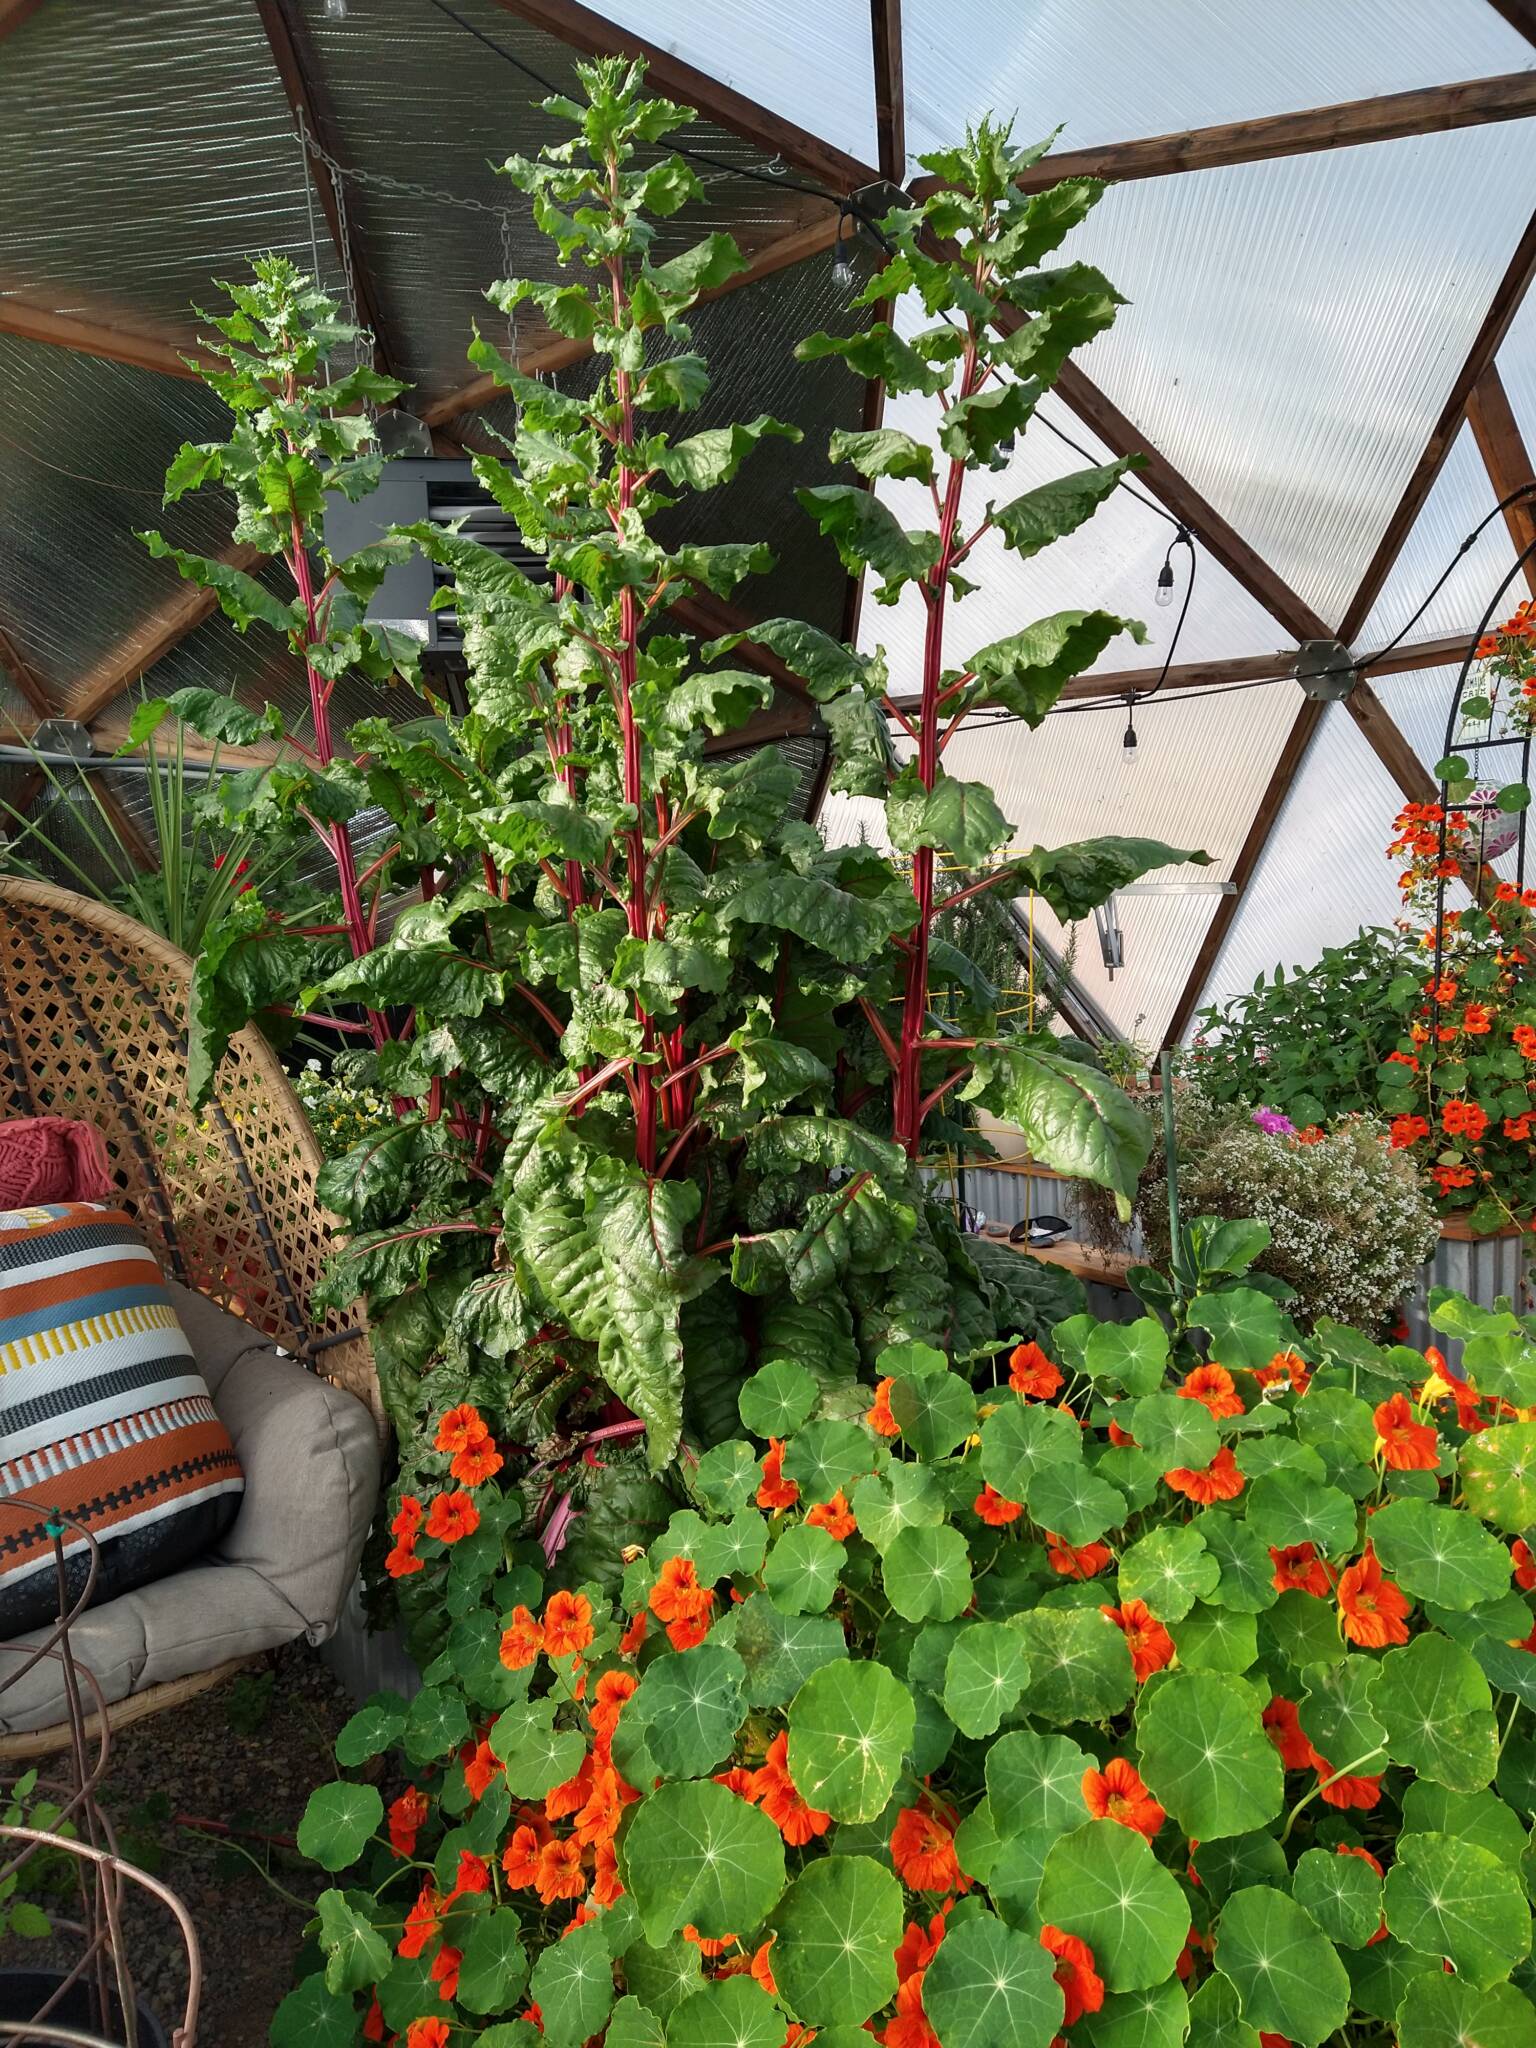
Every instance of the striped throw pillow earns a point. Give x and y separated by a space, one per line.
103 1412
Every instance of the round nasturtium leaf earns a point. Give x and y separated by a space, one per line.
696 1854
934 1412
1021 1439
1342 1893
1481 1817
1337 1713
726 1478
436 1722
1447 2013
535 1754
313 2016
372 1729
1179 1433
777 1399
338 1823
1247 1582
1234 1862
1157 2017
850 1725
828 1455
1216 2017
837 1925
1131 1355
1435 1705
991 1986
572 1985
1216 1639
661 1978
1103 1884
1206 1757
692 1705
1286 1971
927 1573
1246 1328
1498 1476
1080 1667
1448 1897
1035 1781
734 2012
987 1669
494 1966
1170 1569
1075 1503
902 1497
1284 1508
1440 1554
802 1570
632 2025
780 1650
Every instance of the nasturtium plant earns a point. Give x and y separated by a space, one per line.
880 1746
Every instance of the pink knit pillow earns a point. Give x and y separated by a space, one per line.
52 1159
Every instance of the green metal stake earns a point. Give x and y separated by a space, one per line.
1171 1160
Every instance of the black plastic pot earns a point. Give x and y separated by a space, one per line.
23 1992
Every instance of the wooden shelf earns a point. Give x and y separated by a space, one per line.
1093 1267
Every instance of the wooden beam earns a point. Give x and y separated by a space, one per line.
1432 110
25 677
890 92
1248 857
1389 745
109 735
1502 447
93 338
152 637
589 32
30 788
1496 322
1520 14
785 719
812 238
294 58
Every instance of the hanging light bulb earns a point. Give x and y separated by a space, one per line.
843 273
1165 580
335 10
1128 743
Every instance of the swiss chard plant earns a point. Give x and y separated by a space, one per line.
1122 1700
663 1063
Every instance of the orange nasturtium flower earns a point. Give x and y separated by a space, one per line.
1371 1608
559 1874
835 1516
1406 1445
776 1793
1220 1480
1299 1569
776 1491
878 1415
1214 1386
1149 1643
567 1624
1117 1793
682 1603
476 1463
923 1849
460 1429
1081 1985
453 1516
429 2032
1525 1564
1076 1561
521 1640
1032 1374
1282 1724
995 1509
406 1816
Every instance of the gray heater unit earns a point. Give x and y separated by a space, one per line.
414 489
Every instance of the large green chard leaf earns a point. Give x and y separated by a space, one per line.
1027 672
1074 1118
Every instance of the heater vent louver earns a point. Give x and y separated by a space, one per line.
467 504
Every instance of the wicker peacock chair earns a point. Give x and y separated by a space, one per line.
93 1025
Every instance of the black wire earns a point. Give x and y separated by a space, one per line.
1181 539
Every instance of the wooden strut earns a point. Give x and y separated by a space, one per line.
1506 459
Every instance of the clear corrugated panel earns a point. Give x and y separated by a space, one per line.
1461 498
810 60
1111 563
1295 326
1112 69
147 150
1324 872
1197 776
1517 370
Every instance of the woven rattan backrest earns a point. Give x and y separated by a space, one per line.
93 1015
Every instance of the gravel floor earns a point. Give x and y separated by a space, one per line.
246 1755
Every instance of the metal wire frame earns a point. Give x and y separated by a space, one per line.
102 1869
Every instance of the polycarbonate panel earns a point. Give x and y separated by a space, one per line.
1462 498
1111 563
147 150
1195 780
810 60
1517 370
1324 872
1295 327
1112 69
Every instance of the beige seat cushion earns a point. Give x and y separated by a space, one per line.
311 1459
